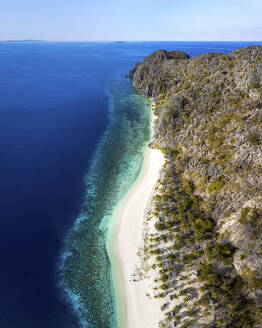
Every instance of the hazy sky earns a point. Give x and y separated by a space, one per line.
131 19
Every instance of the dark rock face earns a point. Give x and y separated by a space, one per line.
161 55
133 70
209 126
140 72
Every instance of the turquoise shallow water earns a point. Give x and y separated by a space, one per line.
53 113
85 266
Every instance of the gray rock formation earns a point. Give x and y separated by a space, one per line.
209 119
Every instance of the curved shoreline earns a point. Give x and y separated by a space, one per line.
113 251
133 307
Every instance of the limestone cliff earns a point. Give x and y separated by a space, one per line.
207 243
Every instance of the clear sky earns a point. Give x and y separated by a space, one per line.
105 20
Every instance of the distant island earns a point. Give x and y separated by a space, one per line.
201 255
26 40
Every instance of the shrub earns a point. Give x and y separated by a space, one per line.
244 214
255 85
189 186
224 156
160 226
222 252
254 139
252 277
216 185
215 141
200 226
188 258
228 261
164 287
225 120
204 301
176 308
171 257
183 292
205 271
164 278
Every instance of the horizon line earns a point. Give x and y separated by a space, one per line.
122 41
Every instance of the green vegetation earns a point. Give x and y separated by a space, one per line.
205 125
254 139
253 278
244 214
255 85
220 252
216 185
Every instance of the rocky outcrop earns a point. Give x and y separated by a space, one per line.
208 209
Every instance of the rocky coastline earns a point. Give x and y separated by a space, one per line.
204 245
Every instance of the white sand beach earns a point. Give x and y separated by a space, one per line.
136 310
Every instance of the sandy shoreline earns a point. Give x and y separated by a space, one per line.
135 309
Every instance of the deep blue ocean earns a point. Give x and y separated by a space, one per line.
72 131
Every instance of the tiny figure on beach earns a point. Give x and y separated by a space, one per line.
133 277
